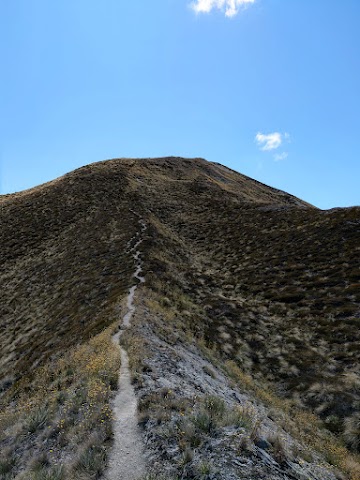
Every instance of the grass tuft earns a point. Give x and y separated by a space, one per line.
63 405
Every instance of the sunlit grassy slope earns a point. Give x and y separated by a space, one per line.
277 279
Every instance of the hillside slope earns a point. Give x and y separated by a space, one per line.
244 276
63 244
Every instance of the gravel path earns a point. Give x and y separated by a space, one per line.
126 461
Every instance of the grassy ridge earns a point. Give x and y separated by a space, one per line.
63 265
274 282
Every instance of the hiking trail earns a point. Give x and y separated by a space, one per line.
126 459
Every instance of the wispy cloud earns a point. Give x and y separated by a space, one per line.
270 141
230 7
280 156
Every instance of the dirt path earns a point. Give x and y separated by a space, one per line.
126 461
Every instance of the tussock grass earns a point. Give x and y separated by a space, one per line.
60 418
64 264
260 290
267 281
352 432
279 448
55 473
212 414
191 421
302 425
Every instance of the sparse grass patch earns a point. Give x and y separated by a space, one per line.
160 405
279 448
210 415
352 432
36 419
204 468
58 409
7 463
209 371
244 416
301 424
207 417
52 473
91 459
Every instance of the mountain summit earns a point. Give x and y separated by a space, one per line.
244 338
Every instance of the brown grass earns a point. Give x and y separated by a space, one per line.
265 279
60 418
301 424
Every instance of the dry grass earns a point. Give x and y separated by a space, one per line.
192 421
275 288
265 279
301 424
63 265
58 422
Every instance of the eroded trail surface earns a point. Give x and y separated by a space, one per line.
126 460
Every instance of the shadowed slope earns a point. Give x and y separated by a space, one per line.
63 263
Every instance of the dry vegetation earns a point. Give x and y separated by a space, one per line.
63 265
56 423
259 278
191 421
286 304
279 286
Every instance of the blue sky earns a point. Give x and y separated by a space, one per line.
270 88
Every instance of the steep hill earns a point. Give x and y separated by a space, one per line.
261 287
63 243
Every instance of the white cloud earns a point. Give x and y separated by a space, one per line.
270 141
230 7
280 156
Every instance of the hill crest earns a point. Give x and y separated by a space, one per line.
251 303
